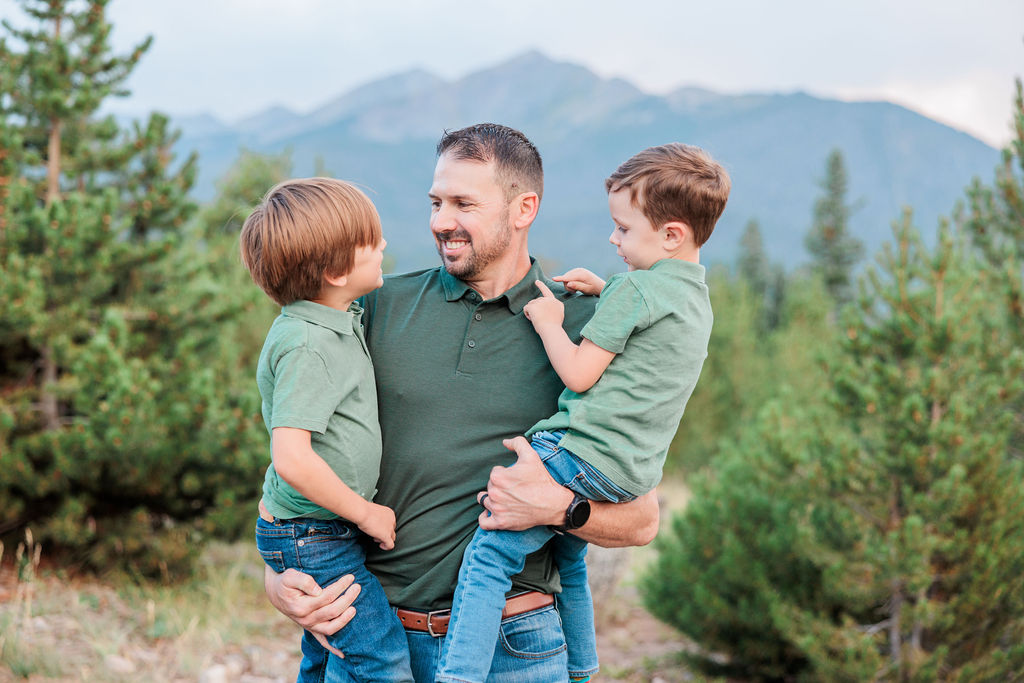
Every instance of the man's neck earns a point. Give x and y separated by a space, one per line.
501 276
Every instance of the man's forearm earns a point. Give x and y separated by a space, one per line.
615 525
525 495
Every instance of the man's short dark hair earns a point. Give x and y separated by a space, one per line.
517 164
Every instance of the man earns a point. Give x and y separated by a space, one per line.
459 369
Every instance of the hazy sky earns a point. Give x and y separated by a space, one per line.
954 60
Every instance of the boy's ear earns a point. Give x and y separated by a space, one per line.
524 209
336 280
677 234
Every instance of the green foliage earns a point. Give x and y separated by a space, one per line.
750 360
875 532
834 251
127 421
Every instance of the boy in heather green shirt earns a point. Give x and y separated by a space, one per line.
315 245
627 384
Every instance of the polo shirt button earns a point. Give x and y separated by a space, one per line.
472 344
477 316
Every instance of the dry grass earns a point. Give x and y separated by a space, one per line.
72 629
92 630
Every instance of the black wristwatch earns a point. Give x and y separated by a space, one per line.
576 515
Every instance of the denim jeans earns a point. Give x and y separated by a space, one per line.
529 648
493 557
373 642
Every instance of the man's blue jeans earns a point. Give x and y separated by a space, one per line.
493 557
374 642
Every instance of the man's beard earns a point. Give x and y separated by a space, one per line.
476 261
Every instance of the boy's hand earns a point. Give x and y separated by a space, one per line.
379 524
545 309
581 280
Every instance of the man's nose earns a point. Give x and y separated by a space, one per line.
442 220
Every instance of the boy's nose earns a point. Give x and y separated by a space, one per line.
611 238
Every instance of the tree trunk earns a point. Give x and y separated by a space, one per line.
47 395
53 150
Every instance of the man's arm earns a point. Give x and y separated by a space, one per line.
319 610
524 495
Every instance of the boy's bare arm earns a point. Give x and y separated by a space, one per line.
297 463
579 367
525 496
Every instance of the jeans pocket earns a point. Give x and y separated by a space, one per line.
274 559
535 635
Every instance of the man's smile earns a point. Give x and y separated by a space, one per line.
453 246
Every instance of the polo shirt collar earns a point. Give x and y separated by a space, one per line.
687 269
325 316
516 297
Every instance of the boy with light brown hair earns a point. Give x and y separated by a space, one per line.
315 246
627 384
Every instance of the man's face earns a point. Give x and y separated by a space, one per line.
636 240
469 216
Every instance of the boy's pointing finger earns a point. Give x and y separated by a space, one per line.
544 291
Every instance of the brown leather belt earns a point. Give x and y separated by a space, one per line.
436 623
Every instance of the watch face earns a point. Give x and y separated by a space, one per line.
578 513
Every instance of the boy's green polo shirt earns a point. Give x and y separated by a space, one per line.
455 376
658 321
315 373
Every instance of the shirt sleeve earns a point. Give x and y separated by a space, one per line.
306 393
621 311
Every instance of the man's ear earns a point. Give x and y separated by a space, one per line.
336 280
524 209
677 234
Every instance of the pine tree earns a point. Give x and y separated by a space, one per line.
994 219
834 251
765 279
879 533
124 434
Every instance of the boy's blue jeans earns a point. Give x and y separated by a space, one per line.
374 641
493 557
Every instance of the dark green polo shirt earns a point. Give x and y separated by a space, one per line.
455 376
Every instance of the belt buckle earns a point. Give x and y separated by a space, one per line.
430 621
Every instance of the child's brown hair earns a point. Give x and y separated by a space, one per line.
675 182
303 230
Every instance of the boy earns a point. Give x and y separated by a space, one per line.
627 384
314 246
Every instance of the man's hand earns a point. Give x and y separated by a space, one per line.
378 523
581 280
545 309
523 495
322 611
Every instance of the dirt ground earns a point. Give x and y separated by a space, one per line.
88 630
219 627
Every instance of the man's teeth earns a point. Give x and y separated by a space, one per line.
454 244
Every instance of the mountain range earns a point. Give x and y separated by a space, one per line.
774 145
